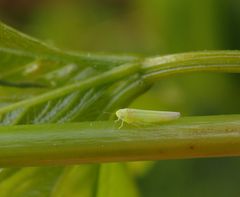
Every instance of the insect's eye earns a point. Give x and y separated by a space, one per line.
118 114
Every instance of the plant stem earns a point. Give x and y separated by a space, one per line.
96 81
95 142
217 61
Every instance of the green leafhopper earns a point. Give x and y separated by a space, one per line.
139 117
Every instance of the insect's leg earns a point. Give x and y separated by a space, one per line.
119 119
116 121
121 125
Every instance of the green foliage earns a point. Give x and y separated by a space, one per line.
51 83
118 177
43 84
29 181
77 181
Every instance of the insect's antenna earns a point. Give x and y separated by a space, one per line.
107 112
104 112
110 114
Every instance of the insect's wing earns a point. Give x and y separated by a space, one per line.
148 116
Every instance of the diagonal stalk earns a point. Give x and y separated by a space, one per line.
96 81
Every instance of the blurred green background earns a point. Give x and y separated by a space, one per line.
148 28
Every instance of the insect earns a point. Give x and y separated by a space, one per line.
145 117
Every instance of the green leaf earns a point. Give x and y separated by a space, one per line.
116 181
77 181
18 44
42 84
60 83
32 181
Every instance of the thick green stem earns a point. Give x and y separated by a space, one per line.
93 142
217 61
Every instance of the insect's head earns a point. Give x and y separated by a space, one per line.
120 114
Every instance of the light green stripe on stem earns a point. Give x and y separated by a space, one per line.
96 142
209 61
